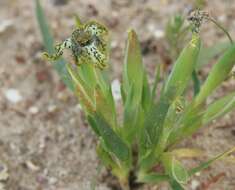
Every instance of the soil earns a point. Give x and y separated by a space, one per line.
45 142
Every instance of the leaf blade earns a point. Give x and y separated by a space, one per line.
48 43
209 162
218 74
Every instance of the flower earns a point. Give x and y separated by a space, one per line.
88 44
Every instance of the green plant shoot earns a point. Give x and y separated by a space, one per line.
151 126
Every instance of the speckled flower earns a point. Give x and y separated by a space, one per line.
88 44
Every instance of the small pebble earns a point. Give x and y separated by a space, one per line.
52 180
13 95
114 44
194 184
222 18
5 24
116 91
197 174
158 33
62 96
52 108
33 110
30 165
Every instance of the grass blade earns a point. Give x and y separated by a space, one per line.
112 141
184 66
156 81
152 178
146 94
219 108
196 83
209 162
175 185
133 68
133 86
49 46
174 168
218 74
208 53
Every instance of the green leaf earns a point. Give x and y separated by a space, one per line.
219 108
112 141
179 172
133 119
208 53
209 162
44 28
48 43
130 117
183 68
123 93
152 178
105 157
187 153
152 131
84 93
190 121
133 68
174 168
78 20
88 75
156 81
196 83
154 122
146 94
175 185
93 125
218 74
175 33
105 106
135 89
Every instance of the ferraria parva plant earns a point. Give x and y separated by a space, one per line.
155 117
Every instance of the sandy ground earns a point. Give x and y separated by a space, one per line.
45 143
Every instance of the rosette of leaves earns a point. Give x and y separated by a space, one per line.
153 121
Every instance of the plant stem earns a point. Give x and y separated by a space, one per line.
222 28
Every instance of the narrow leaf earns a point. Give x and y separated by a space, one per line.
105 106
184 66
87 73
175 185
112 141
188 124
196 83
49 43
146 94
208 53
156 81
209 162
83 92
105 157
152 178
133 68
93 125
187 153
174 168
219 108
218 74
134 87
